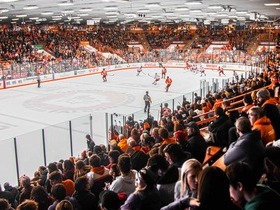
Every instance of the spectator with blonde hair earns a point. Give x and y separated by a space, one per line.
187 185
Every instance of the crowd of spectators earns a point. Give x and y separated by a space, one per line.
65 51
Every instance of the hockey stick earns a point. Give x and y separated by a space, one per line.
150 75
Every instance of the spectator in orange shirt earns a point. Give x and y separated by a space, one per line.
164 134
218 102
262 123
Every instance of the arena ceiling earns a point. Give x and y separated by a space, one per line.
146 11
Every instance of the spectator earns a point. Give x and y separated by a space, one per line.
82 194
187 185
104 161
58 192
164 135
98 175
218 101
175 155
146 195
28 205
269 108
244 189
56 178
167 177
10 194
4 204
248 103
113 156
248 148
138 157
196 144
123 143
64 205
219 128
90 143
125 183
25 188
213 193
41 197
260 122
68 170
81 169
109 200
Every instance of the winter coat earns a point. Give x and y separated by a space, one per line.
263 124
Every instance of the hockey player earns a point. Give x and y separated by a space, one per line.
168 83
156 79
104 75
221 71
202 71
163 72
139 70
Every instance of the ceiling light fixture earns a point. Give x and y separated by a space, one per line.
47 13
68 11
215 7
193 2
4 1
21 15
272 4
30 7
155 4
181 9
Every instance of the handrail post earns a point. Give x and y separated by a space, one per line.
71 137
44 147
16 157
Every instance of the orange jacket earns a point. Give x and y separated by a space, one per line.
263 124
171 140
123 145
246 108
218 103
271 100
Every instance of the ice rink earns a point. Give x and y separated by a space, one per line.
28 108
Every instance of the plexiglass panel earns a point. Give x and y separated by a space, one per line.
99 127
57 140
8 162
30 152
80 128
